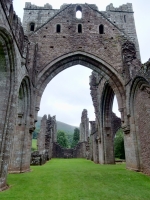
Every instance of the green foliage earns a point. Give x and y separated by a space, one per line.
62 139
77 179
69 137
35 133
76 137
119 145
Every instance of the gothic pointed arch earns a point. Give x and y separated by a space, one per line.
139 115
20 156
7 97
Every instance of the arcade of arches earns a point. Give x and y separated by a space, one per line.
31 56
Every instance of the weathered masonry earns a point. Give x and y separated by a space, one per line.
47 146
49 41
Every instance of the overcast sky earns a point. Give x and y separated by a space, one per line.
68 93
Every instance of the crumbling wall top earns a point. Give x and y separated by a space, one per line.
84 115
123 8
28 6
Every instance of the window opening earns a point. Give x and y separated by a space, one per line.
58 28
32 27
78 12
79 28
101 29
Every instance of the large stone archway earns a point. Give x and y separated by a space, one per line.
87 60
109 76
7 97
54 41
21 143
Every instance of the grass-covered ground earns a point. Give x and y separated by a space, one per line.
77 179
34 144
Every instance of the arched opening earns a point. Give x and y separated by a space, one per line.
22 149
7 95
58 28
139 115
79 12
111 127
107 122
68 85
70 60
101 29
70 96
118 135
86 61
32 26
79 28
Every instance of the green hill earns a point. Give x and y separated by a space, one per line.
60 126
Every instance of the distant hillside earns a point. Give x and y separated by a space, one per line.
60 126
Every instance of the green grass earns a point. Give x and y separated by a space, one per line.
77 179
34 144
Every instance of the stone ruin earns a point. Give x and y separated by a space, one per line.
84 127
50 136
46 138
102 143
84 133
32 53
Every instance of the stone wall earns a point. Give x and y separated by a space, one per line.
41 135
45 141
15 126
84 126
79 151
104 41
51 133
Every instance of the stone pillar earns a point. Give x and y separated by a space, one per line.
54 129
94 141
51 135
84 126
41 135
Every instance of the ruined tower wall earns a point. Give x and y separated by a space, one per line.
123 17
37 15
84 126
41 135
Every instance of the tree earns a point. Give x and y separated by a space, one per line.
76 137
62 139
35 133
119 145
69 137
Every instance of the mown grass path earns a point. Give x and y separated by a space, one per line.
77 179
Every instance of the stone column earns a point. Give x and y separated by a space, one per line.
84 126
41 135
94 141
51 135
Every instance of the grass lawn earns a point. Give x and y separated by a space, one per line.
77 179
34 144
